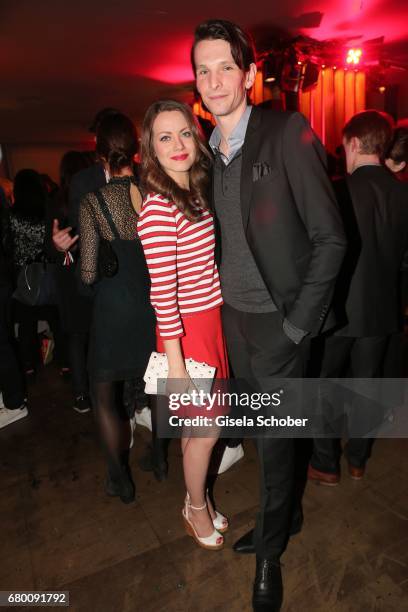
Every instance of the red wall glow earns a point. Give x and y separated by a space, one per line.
168 63
170 73
365 18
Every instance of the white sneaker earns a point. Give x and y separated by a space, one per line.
144 418
10 416
230 456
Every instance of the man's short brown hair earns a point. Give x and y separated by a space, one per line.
373 129
242 45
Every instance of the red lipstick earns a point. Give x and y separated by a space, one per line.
180 157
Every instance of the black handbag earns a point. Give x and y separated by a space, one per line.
36 285
107 260
108 263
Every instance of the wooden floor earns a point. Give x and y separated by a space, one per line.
60 531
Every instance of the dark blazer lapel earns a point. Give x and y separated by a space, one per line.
249 156
212 189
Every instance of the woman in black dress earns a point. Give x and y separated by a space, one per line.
122 332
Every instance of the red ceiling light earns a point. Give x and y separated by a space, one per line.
354 56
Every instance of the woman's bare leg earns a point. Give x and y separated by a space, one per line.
196 459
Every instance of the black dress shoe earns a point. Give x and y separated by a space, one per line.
246 546
268 587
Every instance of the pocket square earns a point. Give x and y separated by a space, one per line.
259 170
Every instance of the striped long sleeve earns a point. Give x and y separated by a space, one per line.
180 258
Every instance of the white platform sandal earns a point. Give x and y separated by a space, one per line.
220 522
215 541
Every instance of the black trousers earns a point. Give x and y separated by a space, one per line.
361 358
11 380
394 356
260 352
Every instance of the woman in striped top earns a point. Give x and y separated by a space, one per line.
177 234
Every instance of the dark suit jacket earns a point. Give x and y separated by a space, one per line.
290 216
374 206
83 182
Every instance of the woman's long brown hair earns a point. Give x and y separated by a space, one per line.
153 178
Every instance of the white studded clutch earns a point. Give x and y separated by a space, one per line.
157 369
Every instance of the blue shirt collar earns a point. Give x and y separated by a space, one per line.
235 139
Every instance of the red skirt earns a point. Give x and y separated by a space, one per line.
204 340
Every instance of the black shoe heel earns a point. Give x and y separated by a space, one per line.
268 587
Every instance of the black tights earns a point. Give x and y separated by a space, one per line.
113 425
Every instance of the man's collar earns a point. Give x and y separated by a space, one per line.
364 164
237 136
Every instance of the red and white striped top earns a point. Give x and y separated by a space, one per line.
180 258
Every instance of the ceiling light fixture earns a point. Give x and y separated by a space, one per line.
354 56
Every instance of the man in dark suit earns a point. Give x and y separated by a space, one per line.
374 206
282 244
